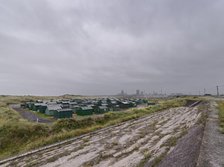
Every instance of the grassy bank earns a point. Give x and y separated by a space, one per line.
18 135
221 115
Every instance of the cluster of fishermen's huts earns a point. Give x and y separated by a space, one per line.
66 108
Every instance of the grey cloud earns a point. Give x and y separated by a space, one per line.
100 47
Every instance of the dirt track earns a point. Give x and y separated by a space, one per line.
133 143
212 150
29 115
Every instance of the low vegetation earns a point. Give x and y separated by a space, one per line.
221 115
147 156
18 135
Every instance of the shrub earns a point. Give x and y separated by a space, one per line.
15 135
221 115
71 124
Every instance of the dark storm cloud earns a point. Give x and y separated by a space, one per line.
101 47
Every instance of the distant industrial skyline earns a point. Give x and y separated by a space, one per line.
55 47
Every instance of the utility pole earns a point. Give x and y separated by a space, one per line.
217 87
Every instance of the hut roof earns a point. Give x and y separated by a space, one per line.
54 107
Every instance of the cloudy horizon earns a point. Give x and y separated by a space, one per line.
54 47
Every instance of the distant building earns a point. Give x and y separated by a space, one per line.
138 92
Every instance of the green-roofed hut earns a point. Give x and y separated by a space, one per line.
63 113
84 111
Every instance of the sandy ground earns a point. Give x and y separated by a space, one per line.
130 144
212 150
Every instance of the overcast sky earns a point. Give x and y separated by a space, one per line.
53 47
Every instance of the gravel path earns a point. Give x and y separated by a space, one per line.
30 116
212 150
129 144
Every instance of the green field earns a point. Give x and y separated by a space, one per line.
18 135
